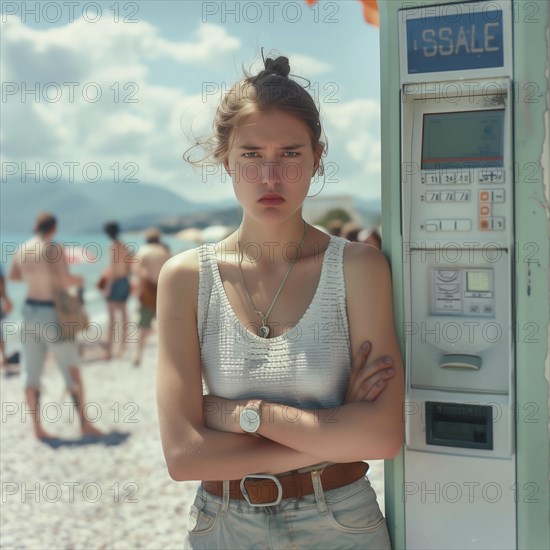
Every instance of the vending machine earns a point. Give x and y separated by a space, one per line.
465 211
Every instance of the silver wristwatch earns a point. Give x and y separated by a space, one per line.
250 418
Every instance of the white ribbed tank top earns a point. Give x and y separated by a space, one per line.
306 367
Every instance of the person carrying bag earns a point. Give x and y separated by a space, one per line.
52 298
69 306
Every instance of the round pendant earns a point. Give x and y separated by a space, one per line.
264 331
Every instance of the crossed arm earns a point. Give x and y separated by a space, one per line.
201 436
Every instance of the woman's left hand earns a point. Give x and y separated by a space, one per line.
368 379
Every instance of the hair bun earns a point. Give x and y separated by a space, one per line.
278 66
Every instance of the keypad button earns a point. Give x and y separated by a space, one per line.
497 224
484 196
484 224
498 195
484 210
463 225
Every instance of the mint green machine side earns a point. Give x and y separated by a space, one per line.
530 297
532 161
391 224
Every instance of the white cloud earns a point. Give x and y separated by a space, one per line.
307 66
212 43
91 99
137 122
365 150
352 114
300 64
106 49
353 130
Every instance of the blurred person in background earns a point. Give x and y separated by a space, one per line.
37 262
334 227
116 287
370 236
150 259
350 231
5 307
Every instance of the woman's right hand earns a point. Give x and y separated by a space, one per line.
368 380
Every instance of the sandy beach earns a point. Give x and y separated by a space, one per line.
81 494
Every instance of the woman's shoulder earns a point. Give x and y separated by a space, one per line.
363 261
179 277
183 264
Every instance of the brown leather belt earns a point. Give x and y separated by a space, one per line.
266 490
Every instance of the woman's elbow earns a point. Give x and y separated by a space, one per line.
177 473
387 443
394 442
183 460
393 449
180 466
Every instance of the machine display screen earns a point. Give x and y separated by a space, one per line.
478 281
469 139
459 425
456 40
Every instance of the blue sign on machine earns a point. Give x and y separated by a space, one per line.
465 41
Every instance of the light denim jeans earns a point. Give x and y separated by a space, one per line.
344 518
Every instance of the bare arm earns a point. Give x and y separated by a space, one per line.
15 273
7 305
193 451
62 267
361 429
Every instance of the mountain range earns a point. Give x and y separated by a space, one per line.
85 208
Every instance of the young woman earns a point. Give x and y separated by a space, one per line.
264 390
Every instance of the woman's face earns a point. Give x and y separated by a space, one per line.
271 164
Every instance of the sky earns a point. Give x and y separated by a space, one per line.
111 91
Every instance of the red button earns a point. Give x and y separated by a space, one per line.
484 196
484 210
484 224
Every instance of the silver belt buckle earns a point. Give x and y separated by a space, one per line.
262 476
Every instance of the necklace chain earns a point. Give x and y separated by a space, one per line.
264 329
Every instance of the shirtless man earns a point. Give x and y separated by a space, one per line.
117 289
31 266
151 258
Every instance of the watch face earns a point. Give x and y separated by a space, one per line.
250 420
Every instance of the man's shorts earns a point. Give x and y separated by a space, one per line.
146 316
120 290
40 333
